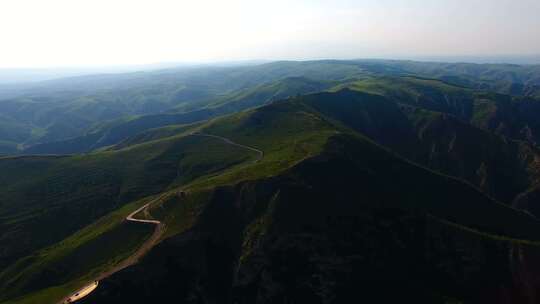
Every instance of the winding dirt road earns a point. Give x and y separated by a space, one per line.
260 154
134 258
149 243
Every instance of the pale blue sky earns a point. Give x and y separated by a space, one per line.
37 33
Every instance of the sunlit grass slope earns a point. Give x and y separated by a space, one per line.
64 194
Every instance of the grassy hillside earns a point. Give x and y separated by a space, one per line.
115 132
61 110
426 93
501 167
341 201
71 107
65 194
505 115
510 79
188 157
51 273
347 220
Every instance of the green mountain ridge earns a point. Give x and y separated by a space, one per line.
507 115
264 235
65 109
289 182
230 103
306 156
501 167
80 189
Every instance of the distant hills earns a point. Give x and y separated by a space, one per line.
76 112
379 182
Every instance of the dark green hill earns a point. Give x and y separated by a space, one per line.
348 223
513 117
80 189
67 193
340 208
510 79
59 110
430 94
114 133
501 167
62 109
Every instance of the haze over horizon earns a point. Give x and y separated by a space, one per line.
269 151
68 33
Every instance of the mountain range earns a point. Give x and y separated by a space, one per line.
328 181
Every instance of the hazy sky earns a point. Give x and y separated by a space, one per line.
45 33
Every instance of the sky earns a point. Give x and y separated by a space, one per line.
64 33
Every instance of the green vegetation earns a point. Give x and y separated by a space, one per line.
387 181
504 115
77 259
346 206
85 113
65 194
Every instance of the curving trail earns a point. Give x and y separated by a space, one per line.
260 154
134 258
131 218
151 242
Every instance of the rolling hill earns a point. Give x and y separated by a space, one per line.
325 190
347 222
65 194
502 167
76 112
320 181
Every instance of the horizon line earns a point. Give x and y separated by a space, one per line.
533 59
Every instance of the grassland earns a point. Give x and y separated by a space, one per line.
66 194
324 153
276 218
